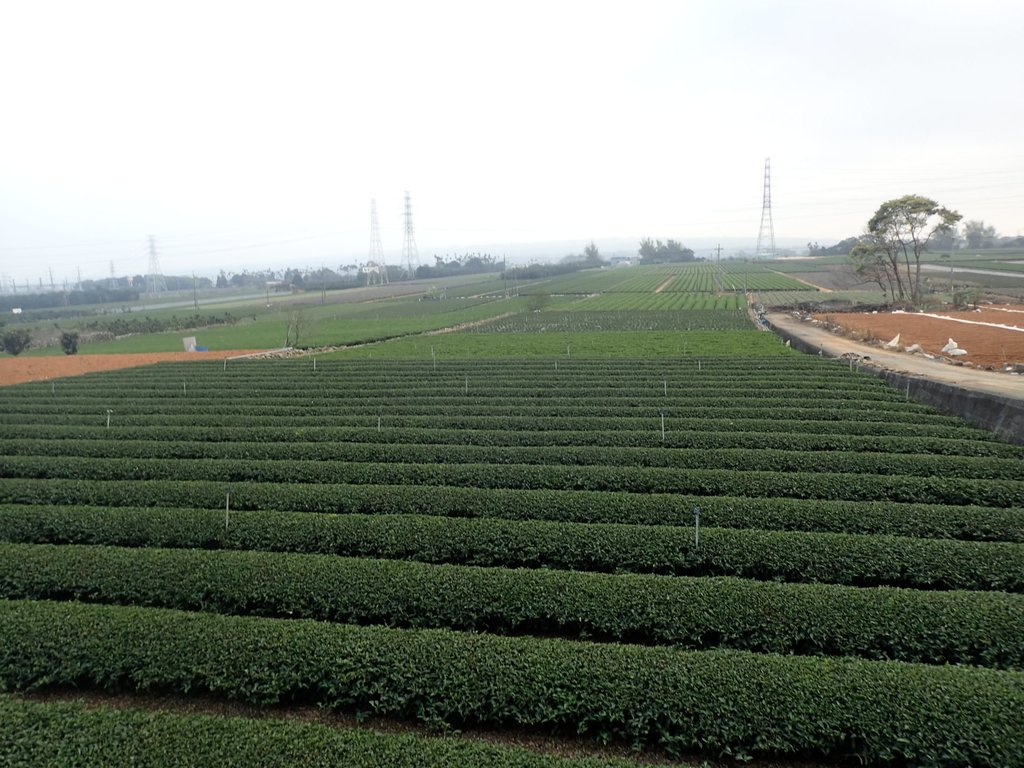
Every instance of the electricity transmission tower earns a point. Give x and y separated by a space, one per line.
410 256
376 270
155 279
766 234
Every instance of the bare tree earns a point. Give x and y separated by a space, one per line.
299 324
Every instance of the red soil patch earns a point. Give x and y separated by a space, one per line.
15 370
987 346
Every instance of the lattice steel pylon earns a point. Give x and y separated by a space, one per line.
376 270
410 256
766 234
155 278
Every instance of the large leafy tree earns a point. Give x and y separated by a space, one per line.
897 235
978 234
657 252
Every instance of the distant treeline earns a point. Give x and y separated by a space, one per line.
67 298
669 252
538 271
128 324
467 264
842 248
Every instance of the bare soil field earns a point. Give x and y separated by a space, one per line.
15 370
992 336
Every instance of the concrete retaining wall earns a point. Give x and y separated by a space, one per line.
1002 415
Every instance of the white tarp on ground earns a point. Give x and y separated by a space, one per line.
893 343
953 349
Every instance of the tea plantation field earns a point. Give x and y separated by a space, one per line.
746 554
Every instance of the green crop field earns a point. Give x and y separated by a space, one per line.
330 324
671 300
557 344
584 319
792 298
496 528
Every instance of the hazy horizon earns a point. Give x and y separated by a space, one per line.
243 135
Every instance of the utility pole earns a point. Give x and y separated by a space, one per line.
718 252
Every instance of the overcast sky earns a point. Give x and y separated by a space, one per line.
256 133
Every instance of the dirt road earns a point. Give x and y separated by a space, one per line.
1001 384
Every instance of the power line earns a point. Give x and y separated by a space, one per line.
766 234
155 279
409 253
376 270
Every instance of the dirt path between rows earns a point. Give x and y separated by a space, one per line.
535 740
465 326
1000 384
808 283
664 284
17 370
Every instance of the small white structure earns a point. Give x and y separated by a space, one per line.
375 273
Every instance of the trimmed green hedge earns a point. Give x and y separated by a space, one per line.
984 628
747 459
701 482
34 733
765 555
449 418
715 701
71 502
777 439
